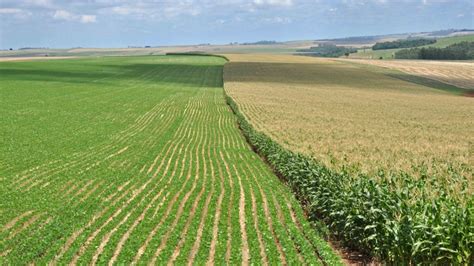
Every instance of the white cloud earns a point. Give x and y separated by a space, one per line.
63 15
155 11
88 18
428 2
277 20
274 2
174 11
127 10
39 3
68 16
10 10
15 12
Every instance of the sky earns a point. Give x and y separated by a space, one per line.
122 23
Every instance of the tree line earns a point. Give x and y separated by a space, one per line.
457 51
402 44
328 50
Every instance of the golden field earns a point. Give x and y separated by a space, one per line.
347 117
460 74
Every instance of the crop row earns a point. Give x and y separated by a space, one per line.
393 218
176 183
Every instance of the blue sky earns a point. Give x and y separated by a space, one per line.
119 23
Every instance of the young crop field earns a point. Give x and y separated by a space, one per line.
137 160
386 163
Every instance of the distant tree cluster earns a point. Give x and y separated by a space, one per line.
264 42
409 43
457 51
328 50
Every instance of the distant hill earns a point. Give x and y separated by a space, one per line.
450 32
261 43
371 40
451 37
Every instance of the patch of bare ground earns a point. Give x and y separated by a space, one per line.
351 256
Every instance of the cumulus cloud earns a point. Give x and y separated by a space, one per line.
428 2
277 20
274 2
68 16
39 3
10 10
246 17
88 18
15 12
154 10
127 10
63 15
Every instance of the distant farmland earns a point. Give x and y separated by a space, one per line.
137 160
460 74
368 53
387 163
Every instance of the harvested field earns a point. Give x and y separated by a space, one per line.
350 118
137 160
460 74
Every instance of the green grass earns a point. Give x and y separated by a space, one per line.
125 159
443 42
389 53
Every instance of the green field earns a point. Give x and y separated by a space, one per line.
137 159
239 49
389 53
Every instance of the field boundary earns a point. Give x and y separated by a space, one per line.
199 54
377 218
